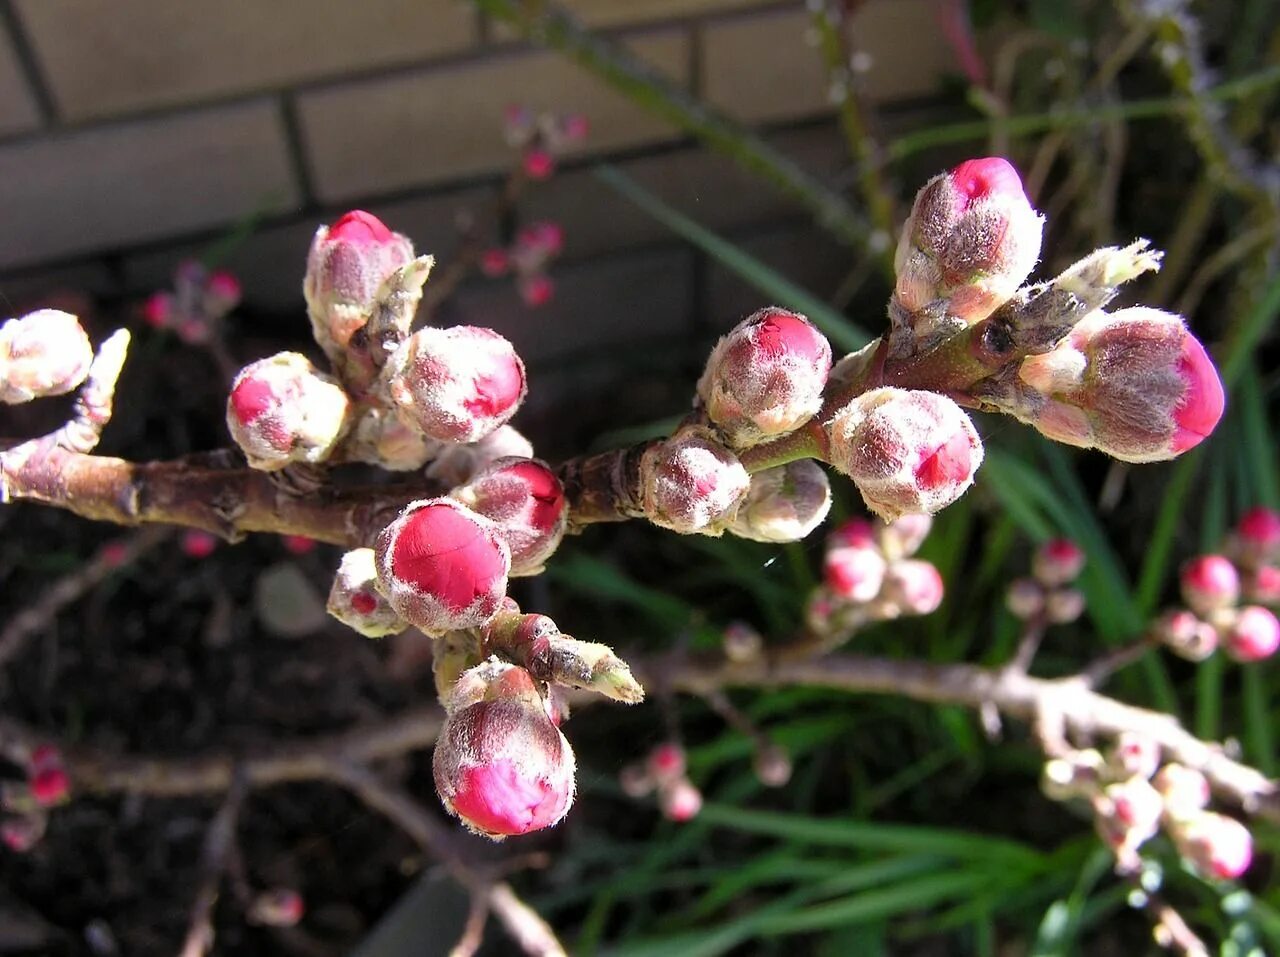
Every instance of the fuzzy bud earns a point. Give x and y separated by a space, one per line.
442 566
278 907
21 834
1064 605
1135 384
1254 634
356 601
197 543
1185 790
680 801
1025 598
635 781
500 764
854 574
1134 755
856 532
281 410
907 451
525 500
742 643
47 777
1263 585
1218 846
457 464
456 385
970 241
45 352
1257 536
691 484
666 762
1138 806
772 765
784 504
1186 635
1077 774
903 537
381 438
912 587
1057 562
346 267
1209 583
765 378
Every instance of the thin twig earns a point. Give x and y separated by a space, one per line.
218 843
1028 643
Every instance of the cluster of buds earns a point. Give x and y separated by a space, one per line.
27 805
1133 795
1213 588
43 353
199 300
542 137
528 257
869 575
1046 595
501 765
663 771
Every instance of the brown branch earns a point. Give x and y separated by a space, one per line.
218 850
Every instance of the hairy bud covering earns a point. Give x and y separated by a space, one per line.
356 601
691 484
282 410
784 504
1253 634
1217 845
525 500
1209 582
45 352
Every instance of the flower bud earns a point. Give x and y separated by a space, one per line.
536 289
355 600
525 500
680 801
907 451
903 537
1254 634
784 504
1134 755
666 762
538 164
50 786
856 532
456 385
1135 384
1186 635
281 410
1025 598
1218 846
495 262
1209 582
222 293
1257 536
1077 774
912 587
45 352
854 574
1138 806
772 765
1263 585
1057 562
691 484
346 266
1064 605
197 543
765 378
971 239
635 781
21 834
379 437
442 566
278 907
456 464
500 764
1185 790
742 643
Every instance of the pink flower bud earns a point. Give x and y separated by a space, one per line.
222 293
772 765
1025 598
354 598
494 262
1057 562
380 438
45 352
1186 635
281 410
1254 634
114 554
1208 583
1064 605
543 237
278 907
197 543
536 290
765 378
680 801
1257 536
784 504
666 762
298 544
1077 774
525 500
903 537
50 786
1185 790
456 385
21 834
574 126
347 264
913 587
907 451
500 764
538 164
742 643
1134 383
1263 585
1135 755
456 464
1138 806
856 532
691 484
635 781
971 239
854 574
159 310
442 566
1218 846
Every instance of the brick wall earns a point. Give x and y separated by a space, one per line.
136 132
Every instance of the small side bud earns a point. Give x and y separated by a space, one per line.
903 537
441 566
278 907
282 410
680 801
500 764
456 385
691 484
1186 635
525 500
1025 598
635 781
1185 790
1263 585
197 543
1256 538
45 352
1138 806
1209 583
1218 846
355 600
1057 562
379 437
1064 605
907 451
1254 634
666 762
1074 775
772 765
456 464
1134 755
784 504
742 643
912 587
854 574
47 777
765 378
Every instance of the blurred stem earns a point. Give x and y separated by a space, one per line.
1193 222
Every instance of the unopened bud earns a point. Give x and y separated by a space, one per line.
1218 846
772 765
1025 598
1077 774
854 574
970 241
525 500
536 289
1209 583
1185 790
1138 806
1254 634
381 438
442 566
666 762
456 464
1058 561
903 537
456 385
912 587
1257 536
1263 585
346 267
680 801
1134 755
784 504
355 600
45 352
500 764
50 786
1135 384
1064 605
21 834
907 451
197 543
856 532
1186 635
635 781
538 164
222 293
282 410
742 643
765 378
691 484
278 907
